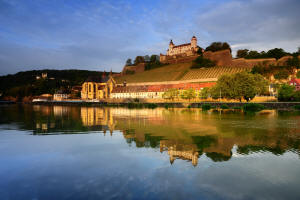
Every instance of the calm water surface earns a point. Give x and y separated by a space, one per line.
57 152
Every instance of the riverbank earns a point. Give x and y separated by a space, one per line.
267 105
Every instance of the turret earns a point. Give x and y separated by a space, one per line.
171 45
194 42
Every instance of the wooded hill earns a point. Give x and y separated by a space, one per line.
26 84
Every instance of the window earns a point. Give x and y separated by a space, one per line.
89 88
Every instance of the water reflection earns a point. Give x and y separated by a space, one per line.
185 134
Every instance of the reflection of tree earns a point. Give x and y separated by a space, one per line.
218 157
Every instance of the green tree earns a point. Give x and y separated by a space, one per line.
239 86
286 92
293 62
154 58
298 74
276 53
128 62
242 53
200 62
218 46
282 74
204 93
139 59
188 94
171 94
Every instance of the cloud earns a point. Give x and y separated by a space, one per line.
103 34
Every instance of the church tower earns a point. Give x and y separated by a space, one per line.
171 45
194 42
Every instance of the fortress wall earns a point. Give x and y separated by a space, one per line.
137 68
222 58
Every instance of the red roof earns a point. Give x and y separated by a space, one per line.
161 88
295 80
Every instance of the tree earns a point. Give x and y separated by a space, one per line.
293 62
188 94
286 92
139 59
200 62
218 46
154 58
129 62
147 58
276 53
239 86
242 53
282 74
204 93
298 74
171 94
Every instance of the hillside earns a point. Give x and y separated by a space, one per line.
26 83
177 72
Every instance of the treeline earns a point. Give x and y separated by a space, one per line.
272 53
25 83
151 62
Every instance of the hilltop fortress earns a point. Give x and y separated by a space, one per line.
188 50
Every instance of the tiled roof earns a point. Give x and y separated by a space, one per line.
181 45
161 88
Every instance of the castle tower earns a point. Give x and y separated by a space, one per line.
171 45
194 42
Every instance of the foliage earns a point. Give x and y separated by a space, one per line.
282 74
129 62
242 53
272 69
154 58
238 86
200 62
293 62
224 106
138 60
188 94
297 107
298 74
272 53
218 46
206 106
286 92
204 93
253 107
171 94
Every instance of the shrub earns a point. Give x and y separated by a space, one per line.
282 74
298 74
202 62
237 108
224 106
253 107
297 107
206 107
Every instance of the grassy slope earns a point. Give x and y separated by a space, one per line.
174 72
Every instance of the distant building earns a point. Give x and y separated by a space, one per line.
61 95
295 82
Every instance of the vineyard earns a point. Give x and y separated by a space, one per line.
213 72
176 72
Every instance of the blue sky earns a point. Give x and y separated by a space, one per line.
101 35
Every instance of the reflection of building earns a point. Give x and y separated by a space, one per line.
179 150
60 110
95 116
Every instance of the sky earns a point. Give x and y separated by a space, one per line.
102 35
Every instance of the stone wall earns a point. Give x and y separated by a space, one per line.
177 58
135 68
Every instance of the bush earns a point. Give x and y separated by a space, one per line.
282 74
218 46
253 107
237 108
298 74
224 106
202 62
286 93
206 107
297 107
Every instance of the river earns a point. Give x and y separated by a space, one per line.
65 152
